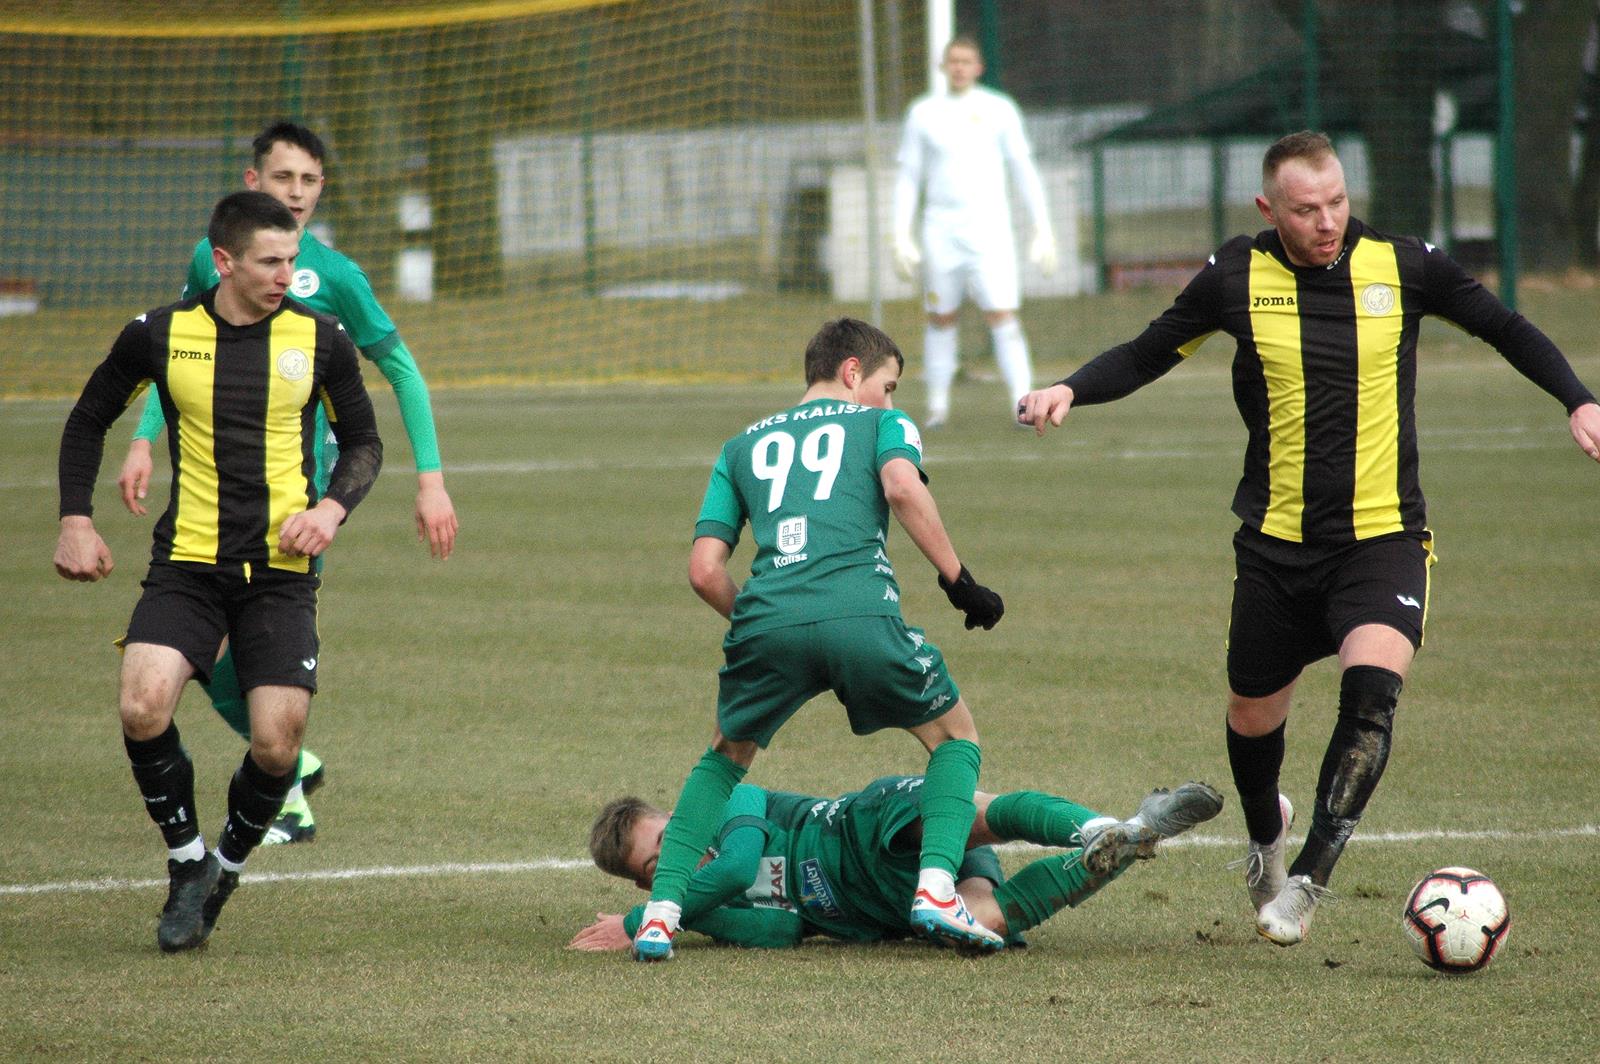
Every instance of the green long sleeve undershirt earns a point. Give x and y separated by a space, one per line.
395 361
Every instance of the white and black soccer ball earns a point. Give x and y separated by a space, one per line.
1456 919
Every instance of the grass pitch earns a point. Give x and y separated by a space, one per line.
476 713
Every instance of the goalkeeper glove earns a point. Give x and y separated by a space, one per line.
1043 252
981 605
906 257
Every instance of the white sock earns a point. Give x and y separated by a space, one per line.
192 851
227 865
1094 824
668 912
939 356
938 883
1011 352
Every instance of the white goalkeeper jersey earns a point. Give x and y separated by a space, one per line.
955 152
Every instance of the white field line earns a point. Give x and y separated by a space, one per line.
558 864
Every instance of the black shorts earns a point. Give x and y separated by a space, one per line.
269 619
1294 603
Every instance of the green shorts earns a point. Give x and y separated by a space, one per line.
883 866
885 674
886 807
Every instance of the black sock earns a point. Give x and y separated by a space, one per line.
1256 761
1351 768
165 775
254 798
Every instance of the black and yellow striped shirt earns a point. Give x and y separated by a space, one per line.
1325 373
240 403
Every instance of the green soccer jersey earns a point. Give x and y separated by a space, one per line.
328 281
829 843
807 482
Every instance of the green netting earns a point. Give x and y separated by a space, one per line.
560 189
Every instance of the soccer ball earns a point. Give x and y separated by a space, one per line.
1456 919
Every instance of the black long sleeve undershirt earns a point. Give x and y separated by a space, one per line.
115 383
1448 292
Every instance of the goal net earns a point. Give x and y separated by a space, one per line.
538 189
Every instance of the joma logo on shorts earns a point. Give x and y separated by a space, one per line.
1271 301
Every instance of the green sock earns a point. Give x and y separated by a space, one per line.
1033 816
1049 884
226 698
1044 888
694 823
946 805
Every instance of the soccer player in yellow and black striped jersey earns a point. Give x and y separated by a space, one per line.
240 372
1334 550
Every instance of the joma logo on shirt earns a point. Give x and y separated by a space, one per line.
1271 301
197 356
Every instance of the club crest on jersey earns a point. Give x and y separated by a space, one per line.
1377 298
293 365
305 284
792 535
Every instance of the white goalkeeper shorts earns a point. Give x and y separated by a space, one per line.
955 270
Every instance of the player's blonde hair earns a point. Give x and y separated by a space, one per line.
612 833
967 41
1308 144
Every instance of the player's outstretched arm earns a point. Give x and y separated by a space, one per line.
1047 406
1585 426
80 552
708 574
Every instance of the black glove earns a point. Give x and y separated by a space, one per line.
981 605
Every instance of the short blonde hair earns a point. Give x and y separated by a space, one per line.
967 41
612 833
1307 144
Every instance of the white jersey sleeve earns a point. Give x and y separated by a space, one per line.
908 182
1019 158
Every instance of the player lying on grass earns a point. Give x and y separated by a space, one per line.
785 866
